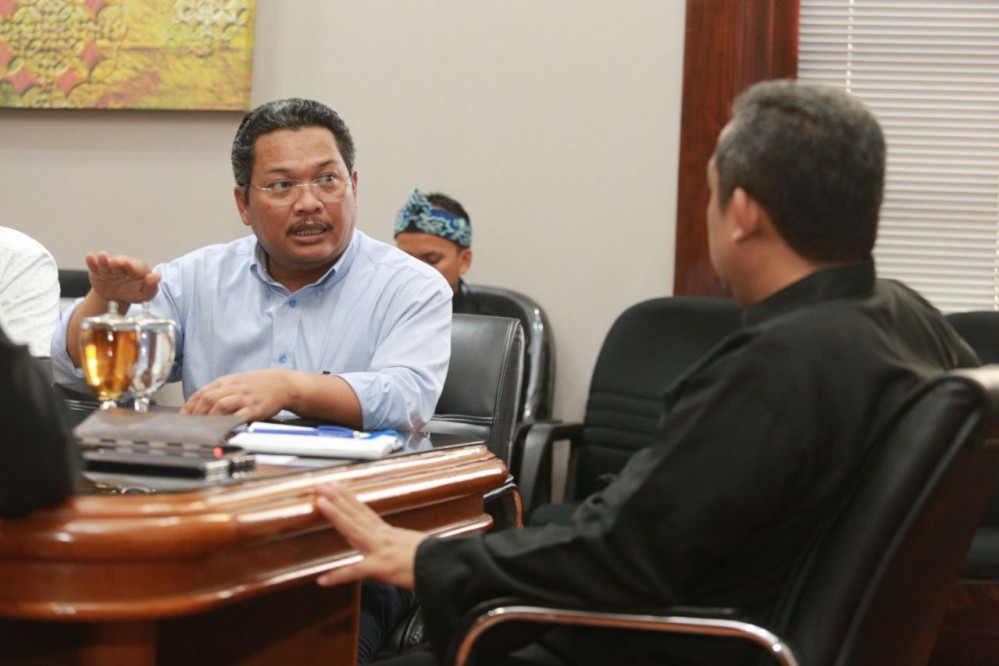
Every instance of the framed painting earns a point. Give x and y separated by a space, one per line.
126 54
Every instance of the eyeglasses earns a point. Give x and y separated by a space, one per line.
327 188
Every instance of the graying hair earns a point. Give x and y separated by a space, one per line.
814 157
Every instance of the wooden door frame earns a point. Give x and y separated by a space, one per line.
729 45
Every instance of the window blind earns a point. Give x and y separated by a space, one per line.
929 70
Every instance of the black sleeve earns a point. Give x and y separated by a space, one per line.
38 462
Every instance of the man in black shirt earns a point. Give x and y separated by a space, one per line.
756 442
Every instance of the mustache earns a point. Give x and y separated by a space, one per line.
311 225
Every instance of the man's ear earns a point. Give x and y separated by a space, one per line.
747 213
464 260
237 193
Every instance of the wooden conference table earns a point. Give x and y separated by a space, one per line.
223 574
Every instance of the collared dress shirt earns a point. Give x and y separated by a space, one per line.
378 318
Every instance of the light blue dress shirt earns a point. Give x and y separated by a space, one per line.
379 319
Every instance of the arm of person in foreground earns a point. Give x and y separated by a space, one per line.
30 295
388 553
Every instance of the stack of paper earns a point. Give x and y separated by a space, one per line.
320 442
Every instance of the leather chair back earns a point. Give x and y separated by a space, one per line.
482 388
537 393
480 399
876 582
73 284
649 346
980 329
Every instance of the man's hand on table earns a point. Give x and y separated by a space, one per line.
389 553
256 396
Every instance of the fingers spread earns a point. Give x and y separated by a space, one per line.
354 520
388 553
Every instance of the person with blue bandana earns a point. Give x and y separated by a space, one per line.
437 230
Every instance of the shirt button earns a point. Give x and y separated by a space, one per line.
282 358
292 303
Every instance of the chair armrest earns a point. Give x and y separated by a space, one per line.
504 505
520 435
532 458
718 622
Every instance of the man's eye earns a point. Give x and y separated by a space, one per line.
279 186
326 180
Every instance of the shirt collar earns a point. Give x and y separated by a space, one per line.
340 267
845 281
460 296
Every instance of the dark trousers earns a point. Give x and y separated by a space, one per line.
382 608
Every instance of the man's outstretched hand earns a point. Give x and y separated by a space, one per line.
122 278
389 553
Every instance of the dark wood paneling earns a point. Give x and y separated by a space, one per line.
729 45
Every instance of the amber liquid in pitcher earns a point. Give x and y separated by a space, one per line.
109 357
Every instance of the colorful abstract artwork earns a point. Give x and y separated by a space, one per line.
126 54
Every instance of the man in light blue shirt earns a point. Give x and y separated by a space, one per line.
309 314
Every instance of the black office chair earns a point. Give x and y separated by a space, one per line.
73 284
873 583
971 628
479 399
980 329
647 348
482 387
538 385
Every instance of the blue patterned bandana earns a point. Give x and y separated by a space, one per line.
420 216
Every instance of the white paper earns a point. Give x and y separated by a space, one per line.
364 448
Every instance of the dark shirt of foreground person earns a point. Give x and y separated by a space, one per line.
38 462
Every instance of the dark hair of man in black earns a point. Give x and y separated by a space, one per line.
282 114
814 157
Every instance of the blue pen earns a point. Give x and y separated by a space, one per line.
318 431
325 431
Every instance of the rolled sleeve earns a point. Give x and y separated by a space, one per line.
408 368
62 365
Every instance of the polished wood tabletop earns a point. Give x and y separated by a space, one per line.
223 574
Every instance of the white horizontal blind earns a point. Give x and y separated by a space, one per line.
929 70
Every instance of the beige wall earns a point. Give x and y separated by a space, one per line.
555 122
